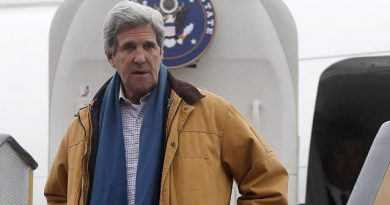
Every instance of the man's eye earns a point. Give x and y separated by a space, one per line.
149 45
128 47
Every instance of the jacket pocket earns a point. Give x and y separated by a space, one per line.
197 144
196 167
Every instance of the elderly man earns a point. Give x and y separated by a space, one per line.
148 138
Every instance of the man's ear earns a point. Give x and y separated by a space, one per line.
110 59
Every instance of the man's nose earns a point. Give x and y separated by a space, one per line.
140 56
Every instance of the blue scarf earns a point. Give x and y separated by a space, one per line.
110 178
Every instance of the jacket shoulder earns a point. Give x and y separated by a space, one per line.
214 99
213 107
79 126
218 106
84 113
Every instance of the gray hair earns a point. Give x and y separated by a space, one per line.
128 14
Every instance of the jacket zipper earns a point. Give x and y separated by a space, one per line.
169 123
84 173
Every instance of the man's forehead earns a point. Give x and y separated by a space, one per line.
145 27
139 32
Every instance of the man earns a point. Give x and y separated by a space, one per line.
148 138
342 164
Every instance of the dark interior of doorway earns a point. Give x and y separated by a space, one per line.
353 101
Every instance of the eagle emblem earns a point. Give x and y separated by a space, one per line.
189 27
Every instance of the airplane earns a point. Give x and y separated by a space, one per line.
291 54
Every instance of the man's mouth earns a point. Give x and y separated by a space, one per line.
140 73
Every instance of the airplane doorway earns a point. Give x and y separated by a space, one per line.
353 100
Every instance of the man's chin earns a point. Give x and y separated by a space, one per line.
142 91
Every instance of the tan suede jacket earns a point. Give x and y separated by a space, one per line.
208 145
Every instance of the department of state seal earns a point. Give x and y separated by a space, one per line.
189 29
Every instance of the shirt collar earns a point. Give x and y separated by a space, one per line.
143 99
336 192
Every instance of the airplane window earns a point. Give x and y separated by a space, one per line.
353 101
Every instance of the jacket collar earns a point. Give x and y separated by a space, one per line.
189 93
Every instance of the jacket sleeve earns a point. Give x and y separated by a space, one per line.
260 176
57 181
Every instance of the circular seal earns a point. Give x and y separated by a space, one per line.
189 29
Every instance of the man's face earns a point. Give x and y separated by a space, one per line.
137 60
345 162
